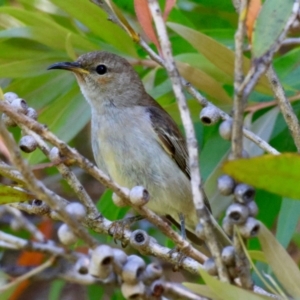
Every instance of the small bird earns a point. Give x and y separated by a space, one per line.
134 140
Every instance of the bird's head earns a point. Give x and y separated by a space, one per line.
105 78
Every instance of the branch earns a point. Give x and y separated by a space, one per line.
39 189
198 194
239 101
102 225
31 273
285 106
201 99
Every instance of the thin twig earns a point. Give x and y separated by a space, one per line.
39 189
258 106
285 106
91 169
198 194
201 99
48 247
31 273
69 176
239 101
25 223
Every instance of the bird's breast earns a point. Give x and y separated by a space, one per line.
126 147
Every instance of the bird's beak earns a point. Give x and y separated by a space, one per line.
70 66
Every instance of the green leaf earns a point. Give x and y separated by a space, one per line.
25 68
228 291
40 92
257 255
106 207
10 194
204 82
282 264
275 173
97 21
216 53
41 28
263 127
65 117
269 24
287 221
202 290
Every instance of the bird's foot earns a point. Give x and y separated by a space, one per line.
117 228
179 259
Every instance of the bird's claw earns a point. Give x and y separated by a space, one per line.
179 259
117 228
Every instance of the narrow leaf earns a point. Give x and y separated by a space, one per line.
95 19
145 19
283 266
287 221
217 53
275 173
202 290
270 23
204 82
257 255
123 20
263 127
168 7
252 13
228 291
10 194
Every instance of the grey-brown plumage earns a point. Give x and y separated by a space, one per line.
135 141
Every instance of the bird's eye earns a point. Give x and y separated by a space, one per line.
101 69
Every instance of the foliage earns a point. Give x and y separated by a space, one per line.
36 33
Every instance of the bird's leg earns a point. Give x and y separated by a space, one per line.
116 229
181 256
182 225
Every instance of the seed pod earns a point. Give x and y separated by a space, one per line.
210 266
82 264
10 96
153 272
250 228
226 185
244 193
31 113
133 291
119 201
120 258
20 105
133 269
227 255
8 122
76 210
139 239
66 235
101 262
237 213
225 129
139 196
158 288
209 115
253 209
28 143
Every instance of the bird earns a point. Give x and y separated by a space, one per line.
134 140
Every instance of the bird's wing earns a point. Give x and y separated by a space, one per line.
169 137
171 140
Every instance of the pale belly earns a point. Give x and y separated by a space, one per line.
127 150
